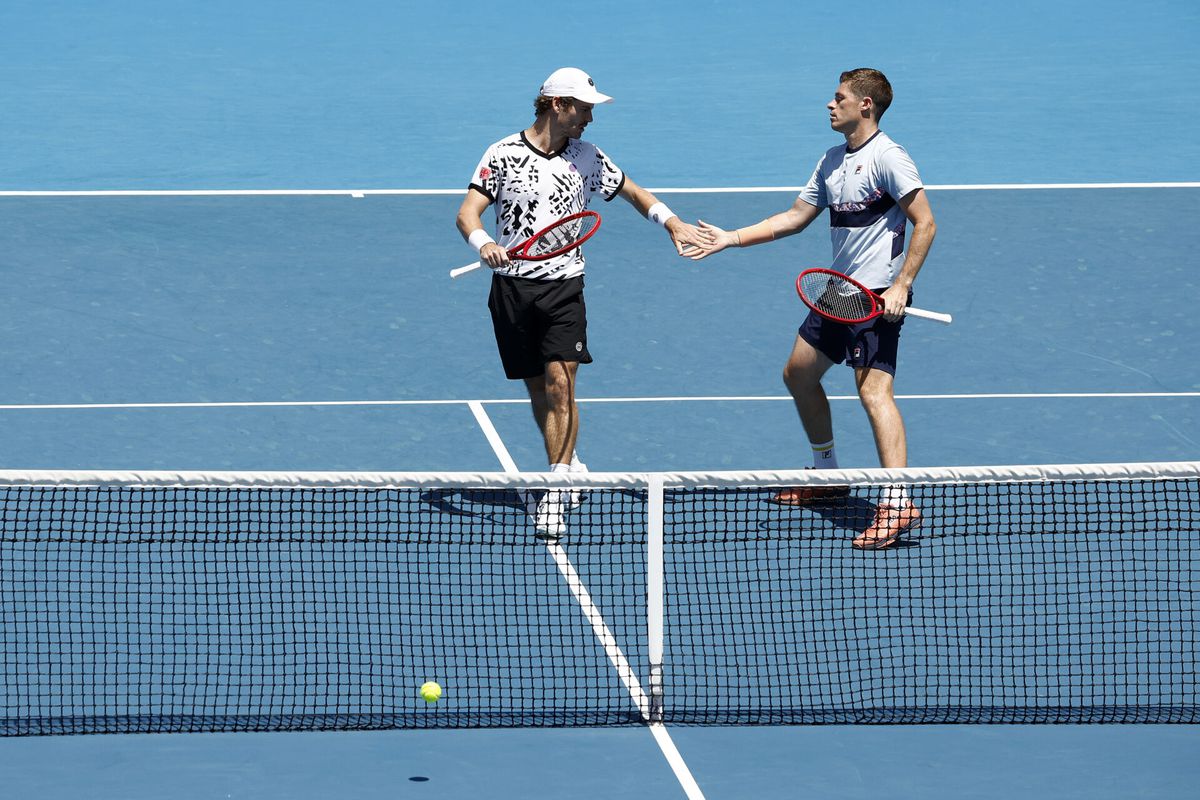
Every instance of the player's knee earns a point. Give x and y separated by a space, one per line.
559 391
798 379
557 396
876 397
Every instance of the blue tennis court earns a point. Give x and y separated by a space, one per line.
226 236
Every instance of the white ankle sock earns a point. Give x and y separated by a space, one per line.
824 456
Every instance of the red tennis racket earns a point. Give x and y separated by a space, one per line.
842 299
561 237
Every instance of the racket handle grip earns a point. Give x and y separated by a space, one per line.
936 316
460 271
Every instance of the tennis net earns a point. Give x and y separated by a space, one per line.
156 602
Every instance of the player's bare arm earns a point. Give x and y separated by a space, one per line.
470 219
916 207
777 226
683 235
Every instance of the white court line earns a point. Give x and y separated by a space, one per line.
779 398
625 671
990 187
358 193
948 187
244 404
493 437
518 401
599 628
678 765
226 192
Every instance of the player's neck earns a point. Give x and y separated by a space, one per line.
541 134
862 132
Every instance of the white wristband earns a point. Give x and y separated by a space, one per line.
660 213
479 238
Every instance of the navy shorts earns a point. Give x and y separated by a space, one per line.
873 344
537 322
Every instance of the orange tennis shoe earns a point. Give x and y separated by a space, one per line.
811 495
890 523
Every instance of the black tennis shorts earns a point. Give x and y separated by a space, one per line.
537 322
874 344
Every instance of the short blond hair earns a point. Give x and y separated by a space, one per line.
867 82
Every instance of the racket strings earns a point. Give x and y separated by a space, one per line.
562 237
837 297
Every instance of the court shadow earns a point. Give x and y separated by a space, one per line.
852 514
472 502
488 503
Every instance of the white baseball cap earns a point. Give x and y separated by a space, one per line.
572 82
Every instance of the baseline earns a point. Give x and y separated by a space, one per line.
361 193
520 401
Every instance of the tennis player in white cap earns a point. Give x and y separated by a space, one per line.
534 178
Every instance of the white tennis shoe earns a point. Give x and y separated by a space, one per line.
547 514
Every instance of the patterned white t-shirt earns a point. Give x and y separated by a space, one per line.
530 190
861 188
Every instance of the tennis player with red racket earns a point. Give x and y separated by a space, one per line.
540 182
873 191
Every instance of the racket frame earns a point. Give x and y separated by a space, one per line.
521 251
877 308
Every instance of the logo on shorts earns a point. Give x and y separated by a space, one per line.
579 347
858 352
484 174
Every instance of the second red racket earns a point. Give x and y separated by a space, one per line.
562 237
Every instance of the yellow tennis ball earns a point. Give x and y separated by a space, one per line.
431 691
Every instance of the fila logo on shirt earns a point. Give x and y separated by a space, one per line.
858 169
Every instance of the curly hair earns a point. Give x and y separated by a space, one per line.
542 103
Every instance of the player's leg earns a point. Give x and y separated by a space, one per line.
563 347
541 412
552 397
875 352
802 374
540 406
538 402
877 394
546 508
519 333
